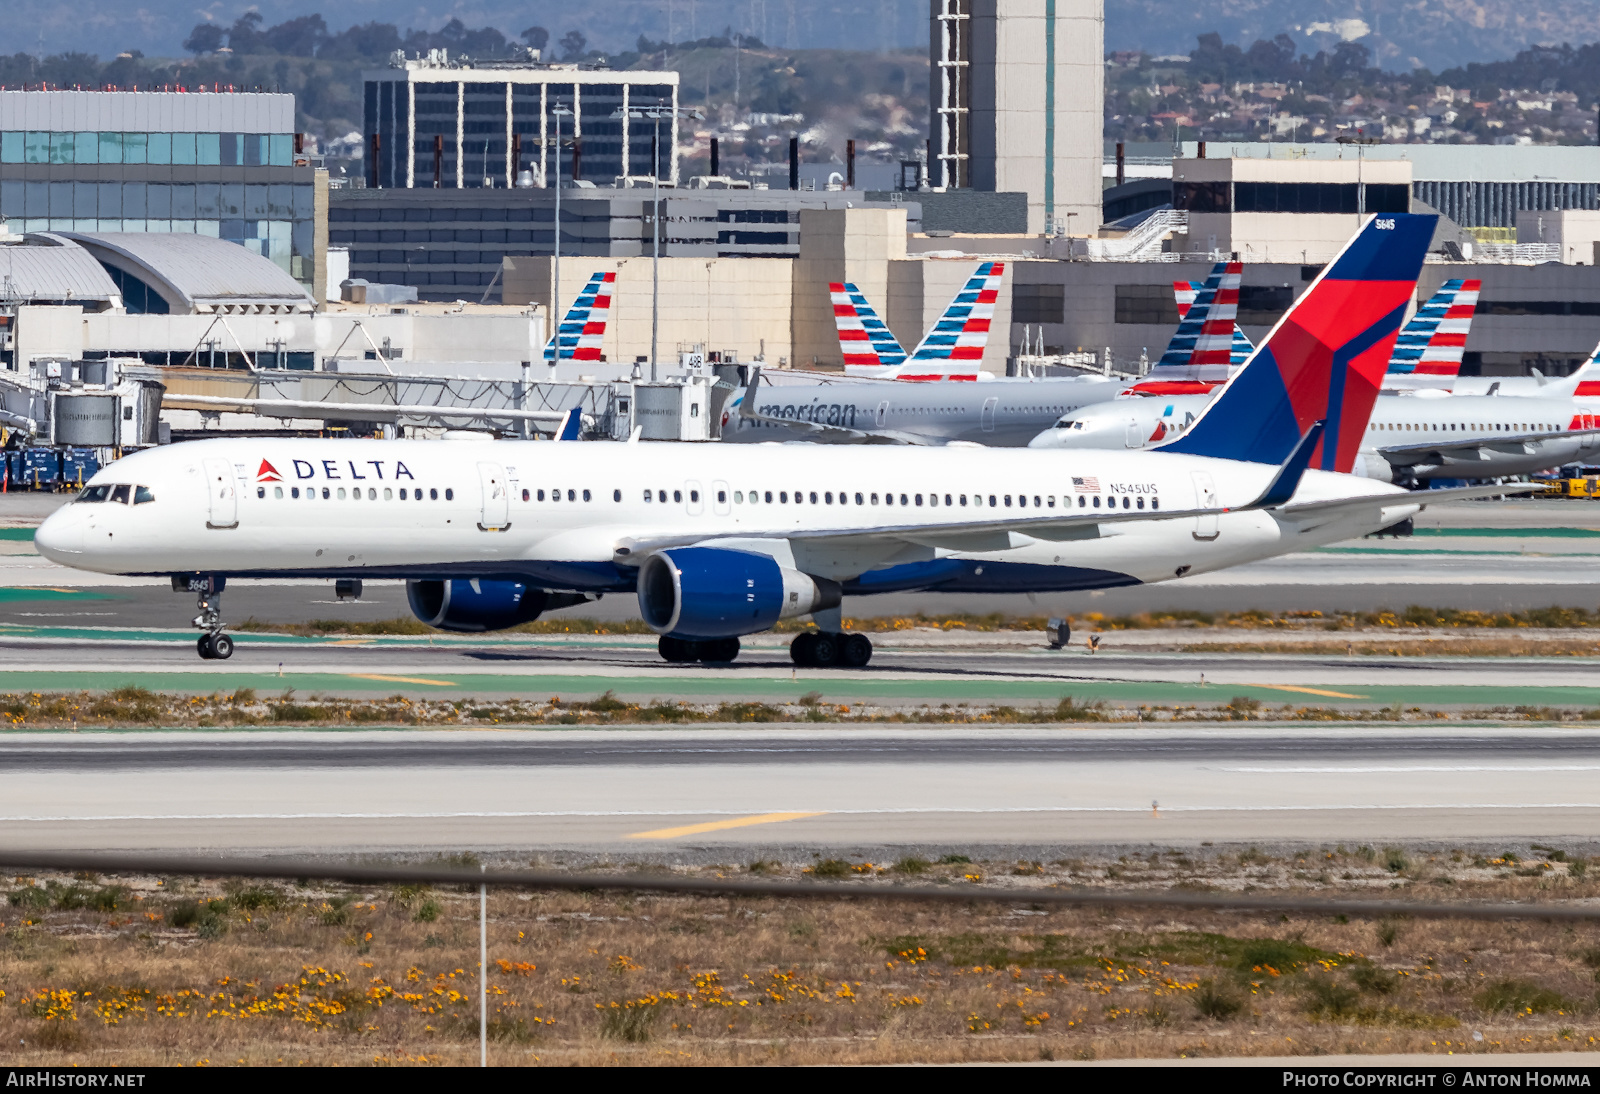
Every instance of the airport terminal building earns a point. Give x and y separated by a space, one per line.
219 164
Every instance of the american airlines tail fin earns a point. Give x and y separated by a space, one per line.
953 348
1185 292
583 328
1200 355
1324 359
864 339
1429 350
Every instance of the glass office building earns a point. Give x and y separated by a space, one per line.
215 164
430 125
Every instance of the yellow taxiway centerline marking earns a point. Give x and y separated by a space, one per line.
401 679
718 826
352 642
1309 691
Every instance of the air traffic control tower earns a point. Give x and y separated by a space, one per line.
1016 98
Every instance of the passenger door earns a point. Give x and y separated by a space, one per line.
693 501
1205 497
223 490
987 417
496 512
721 504
883 413
1133 437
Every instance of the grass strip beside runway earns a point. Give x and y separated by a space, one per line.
919 690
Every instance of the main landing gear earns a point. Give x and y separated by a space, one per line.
213 645
825 649
711 650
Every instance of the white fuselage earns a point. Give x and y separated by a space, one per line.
581 517
1397 421
1000 414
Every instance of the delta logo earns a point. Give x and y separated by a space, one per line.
268 473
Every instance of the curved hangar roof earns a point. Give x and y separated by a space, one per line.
195 273
45 269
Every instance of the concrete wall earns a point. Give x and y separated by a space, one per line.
435 337
1011 86
730 305
854 245
47 331
1575 231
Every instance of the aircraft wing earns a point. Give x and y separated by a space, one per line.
1418 497
1474 448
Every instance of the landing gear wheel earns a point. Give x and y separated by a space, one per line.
221 647
675 650
204 647
825 649
855 651
719 650
801 649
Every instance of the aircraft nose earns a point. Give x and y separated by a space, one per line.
60 537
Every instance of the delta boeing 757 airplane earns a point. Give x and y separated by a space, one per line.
489 534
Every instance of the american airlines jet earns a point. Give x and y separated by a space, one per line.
489 534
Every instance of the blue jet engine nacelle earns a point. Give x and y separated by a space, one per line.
715 592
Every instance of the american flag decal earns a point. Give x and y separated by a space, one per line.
1086 485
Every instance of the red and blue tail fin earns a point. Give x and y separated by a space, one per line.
1429 350
583 328
1324 360
864 339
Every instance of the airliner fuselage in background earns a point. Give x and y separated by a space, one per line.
1000 414
1417 437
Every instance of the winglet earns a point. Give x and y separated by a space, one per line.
747 404
1579 384
1287 480
571 425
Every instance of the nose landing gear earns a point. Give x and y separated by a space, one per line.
213 645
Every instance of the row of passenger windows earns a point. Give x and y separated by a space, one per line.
826 497
740 497
1465 427
337 493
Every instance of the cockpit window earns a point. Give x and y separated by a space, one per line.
142 494
94 493
120 493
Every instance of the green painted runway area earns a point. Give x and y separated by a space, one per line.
710 687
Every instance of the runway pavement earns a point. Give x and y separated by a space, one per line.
735 792
906 670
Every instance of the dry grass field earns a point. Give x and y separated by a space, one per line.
145 970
